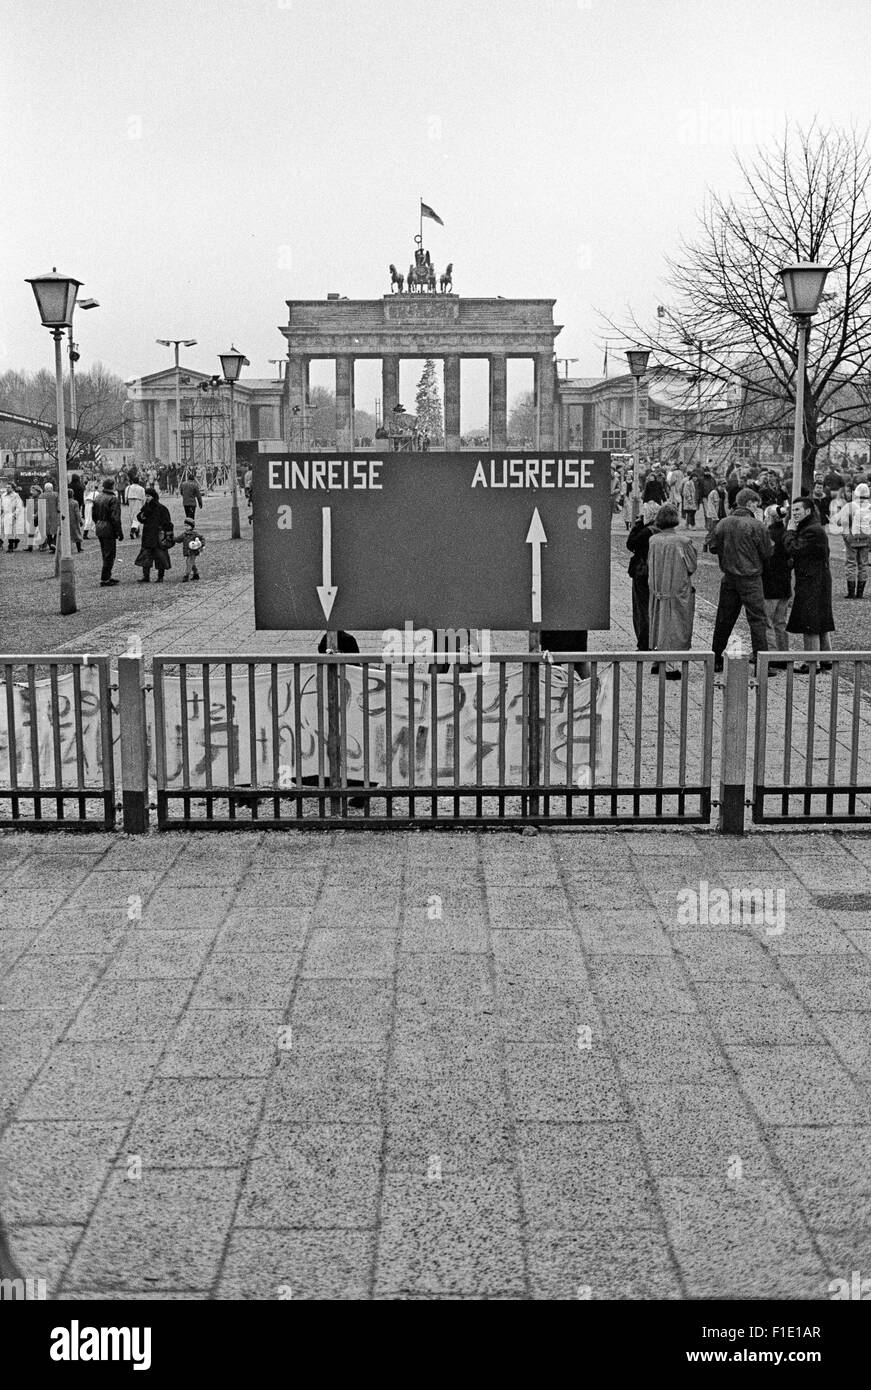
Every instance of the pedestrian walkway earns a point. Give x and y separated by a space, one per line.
426 1065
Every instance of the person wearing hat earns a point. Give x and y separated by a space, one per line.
638 541
106 516
854 523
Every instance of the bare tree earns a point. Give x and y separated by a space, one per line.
728 336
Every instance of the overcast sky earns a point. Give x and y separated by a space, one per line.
197 164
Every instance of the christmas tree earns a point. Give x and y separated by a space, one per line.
428 405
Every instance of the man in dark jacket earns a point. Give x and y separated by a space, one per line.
807 545
742 545
107 525
191 497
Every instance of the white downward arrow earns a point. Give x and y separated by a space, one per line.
326 591
536 538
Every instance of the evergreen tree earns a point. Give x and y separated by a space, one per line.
428 405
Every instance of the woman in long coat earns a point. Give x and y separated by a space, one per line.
638 541
75 521
154 518
672 560
807 545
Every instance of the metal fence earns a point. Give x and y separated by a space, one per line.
345 740
56 742
811 769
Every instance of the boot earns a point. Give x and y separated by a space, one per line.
851 588
860 588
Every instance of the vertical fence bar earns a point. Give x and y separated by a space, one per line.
388 737
707 735
275 740
207 736
760 749
503 735
636 761
34 739
185 745
367 800
593 741
546 752
682 738
434 737
231 730
733 773
333 736
854 735
833 738
787 735
322 730
107 743
297 738
412 740
456 735
810 739
534 722
57 760
12 734
160 740
80 740
134 745
252 740
660 736
570 741
479 740
615 736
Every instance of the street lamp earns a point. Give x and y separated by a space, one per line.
74 357
56 299
232 363
176 343
637 359
803 287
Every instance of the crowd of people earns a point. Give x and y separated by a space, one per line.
30 517
773 553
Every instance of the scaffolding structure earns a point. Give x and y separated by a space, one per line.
205 436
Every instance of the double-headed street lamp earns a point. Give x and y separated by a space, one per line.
637 359
56 299
232 363
803 287
177 343
74 357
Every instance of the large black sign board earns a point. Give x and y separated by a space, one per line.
493 540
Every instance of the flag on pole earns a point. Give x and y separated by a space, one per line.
426 211
605 369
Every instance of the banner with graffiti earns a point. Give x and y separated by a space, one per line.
276 738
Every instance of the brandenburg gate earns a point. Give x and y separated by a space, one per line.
421 325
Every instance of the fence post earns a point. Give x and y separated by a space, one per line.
134 745
337 806
534 723
733 751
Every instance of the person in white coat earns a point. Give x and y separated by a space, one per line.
12 518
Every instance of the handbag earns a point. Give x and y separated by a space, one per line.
166 538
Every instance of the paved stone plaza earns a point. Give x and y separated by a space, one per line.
292 1071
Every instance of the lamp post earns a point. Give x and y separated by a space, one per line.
177 343
74 357
803 287
637 359
232 363
56 299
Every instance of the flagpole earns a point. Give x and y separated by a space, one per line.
420 208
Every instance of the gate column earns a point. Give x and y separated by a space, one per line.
544 392
297 393
498 401
389 388
344 403
452 403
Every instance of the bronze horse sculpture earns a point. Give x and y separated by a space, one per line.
446 281
397 281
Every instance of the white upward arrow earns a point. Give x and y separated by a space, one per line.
536 538
326 591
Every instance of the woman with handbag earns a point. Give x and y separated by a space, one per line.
157 537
